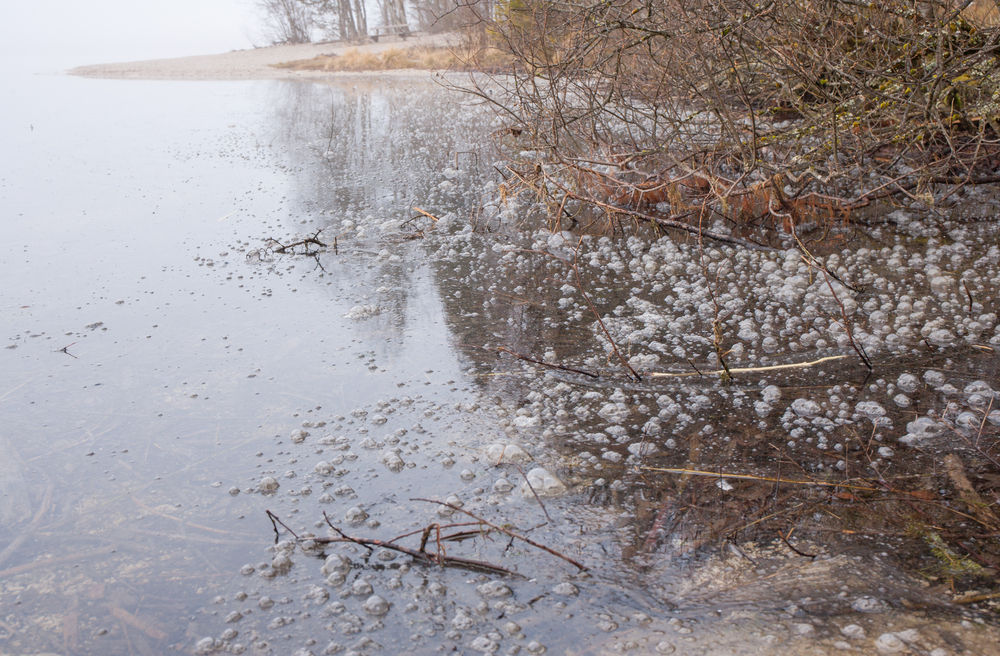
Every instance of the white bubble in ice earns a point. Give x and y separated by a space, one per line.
281 564
870 409
869 605
968 422
543 482
502 485
888 643
907 383
853 631
361 588
566 589
336 563
392 460
920 430
355 516
494 589
506 453
805 408
484 645
940 337
934 378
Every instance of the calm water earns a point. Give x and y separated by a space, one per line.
146 362
159 358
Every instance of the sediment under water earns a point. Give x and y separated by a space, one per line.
168 376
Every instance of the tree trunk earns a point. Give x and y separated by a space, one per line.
361 18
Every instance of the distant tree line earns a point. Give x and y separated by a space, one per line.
304 21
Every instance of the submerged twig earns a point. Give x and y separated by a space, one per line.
16 543
978 505
550 365
274 518
743 370
789 545
285 248
428 558
969 294
532 488
507 531
427 214
750 477
597 315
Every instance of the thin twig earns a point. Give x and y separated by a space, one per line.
597 315
750 477
274 518
743 370
551 365
284 248
422 556
427 214
506 531
532 488
789 545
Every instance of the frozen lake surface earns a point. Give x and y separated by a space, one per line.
167 377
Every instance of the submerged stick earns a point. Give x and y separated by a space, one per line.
532 488
509 532
744 370
427 214
137 622
275 520
423 556
284 248
551 365
16 543
597 315
750 477
979 506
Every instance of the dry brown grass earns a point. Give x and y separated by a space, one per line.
985 13
358 60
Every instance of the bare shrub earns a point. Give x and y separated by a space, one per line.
286 21
760 114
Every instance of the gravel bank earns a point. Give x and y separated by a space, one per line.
252 64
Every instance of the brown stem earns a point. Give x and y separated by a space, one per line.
506 531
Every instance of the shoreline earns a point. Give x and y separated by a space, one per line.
257 63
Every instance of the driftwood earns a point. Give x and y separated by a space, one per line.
429 558
979 506
272 245
278 247
440 534
743 370
438 557
508 532
550 365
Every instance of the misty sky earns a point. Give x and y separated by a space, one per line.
67 33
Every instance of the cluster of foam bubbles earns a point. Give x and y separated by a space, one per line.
668 305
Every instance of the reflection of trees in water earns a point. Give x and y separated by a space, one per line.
370 151
511 300
379 148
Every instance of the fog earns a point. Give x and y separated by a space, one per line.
52 35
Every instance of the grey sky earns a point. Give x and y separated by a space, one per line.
67 33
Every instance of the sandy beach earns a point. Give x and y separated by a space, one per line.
254 64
